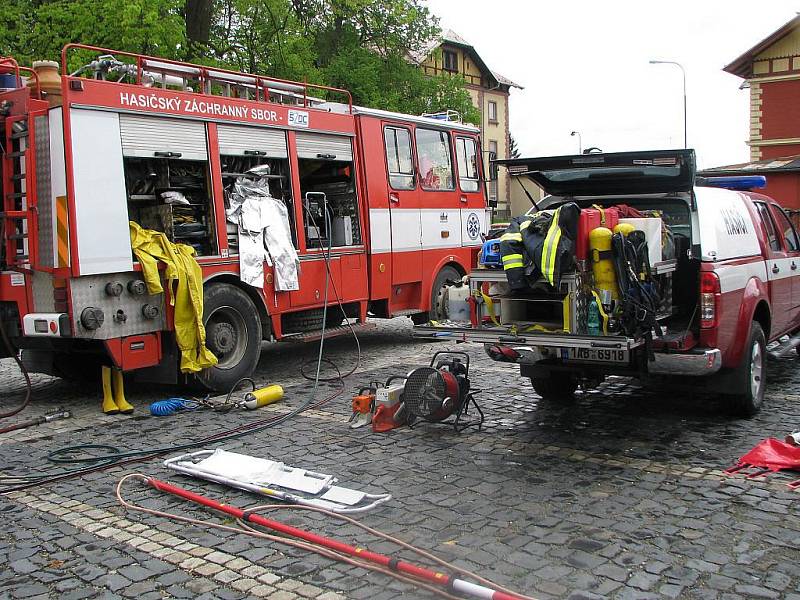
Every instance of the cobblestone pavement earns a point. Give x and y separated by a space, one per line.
619 494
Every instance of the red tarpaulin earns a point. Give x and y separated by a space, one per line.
769 456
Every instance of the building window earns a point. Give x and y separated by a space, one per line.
466 158
435 164
449 61
491 188
398 158
769 227
492 112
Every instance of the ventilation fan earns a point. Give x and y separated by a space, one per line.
436 393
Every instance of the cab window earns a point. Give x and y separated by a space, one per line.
466 156
769 226
789 233
399 161
435 164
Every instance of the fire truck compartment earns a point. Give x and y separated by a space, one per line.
168 181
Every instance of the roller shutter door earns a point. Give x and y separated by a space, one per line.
239 140
144 136
322 145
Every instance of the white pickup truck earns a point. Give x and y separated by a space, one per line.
724 282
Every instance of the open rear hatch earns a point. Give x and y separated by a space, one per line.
647 172
556 318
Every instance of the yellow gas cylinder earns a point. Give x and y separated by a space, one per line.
602 264
624 228
263 396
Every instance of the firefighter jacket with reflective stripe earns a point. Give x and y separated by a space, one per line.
185 284
540 246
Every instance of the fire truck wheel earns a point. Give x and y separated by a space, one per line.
558 386
438 310
233 334
751 376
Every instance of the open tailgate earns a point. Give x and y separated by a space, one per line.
647 172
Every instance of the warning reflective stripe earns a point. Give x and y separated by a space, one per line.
549 250
513 265
512 261
62 232
524 225
551 259
511 237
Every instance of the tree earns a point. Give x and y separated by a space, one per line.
33 29
513 149
359 45
198 15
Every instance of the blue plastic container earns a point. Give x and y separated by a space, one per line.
490 254
8 81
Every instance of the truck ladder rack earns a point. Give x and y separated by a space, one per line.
17 169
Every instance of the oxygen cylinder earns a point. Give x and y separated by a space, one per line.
263 396
602 263
624 228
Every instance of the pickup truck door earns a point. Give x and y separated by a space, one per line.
779 273
791 243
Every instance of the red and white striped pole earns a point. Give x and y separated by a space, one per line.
445 581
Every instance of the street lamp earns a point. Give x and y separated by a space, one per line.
683 71
580 144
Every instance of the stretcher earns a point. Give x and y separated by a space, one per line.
275 480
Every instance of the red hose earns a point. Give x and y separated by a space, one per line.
425 574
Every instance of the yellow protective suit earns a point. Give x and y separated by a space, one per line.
185 283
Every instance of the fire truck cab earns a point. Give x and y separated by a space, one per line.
383 208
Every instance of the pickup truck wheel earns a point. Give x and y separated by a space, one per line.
558 386
233 334
751 376
438 310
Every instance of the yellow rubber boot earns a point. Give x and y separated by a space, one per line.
119 393
109 406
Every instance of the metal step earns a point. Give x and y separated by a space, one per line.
15 154
330 332
786 348
16 195
18 236
16 135
18 177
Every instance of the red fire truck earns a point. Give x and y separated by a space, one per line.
403 196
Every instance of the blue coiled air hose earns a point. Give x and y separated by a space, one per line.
164 408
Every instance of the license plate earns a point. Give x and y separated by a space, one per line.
595 354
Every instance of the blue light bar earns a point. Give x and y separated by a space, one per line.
734 182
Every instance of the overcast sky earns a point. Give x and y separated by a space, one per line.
584 66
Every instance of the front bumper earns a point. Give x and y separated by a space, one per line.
693 364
